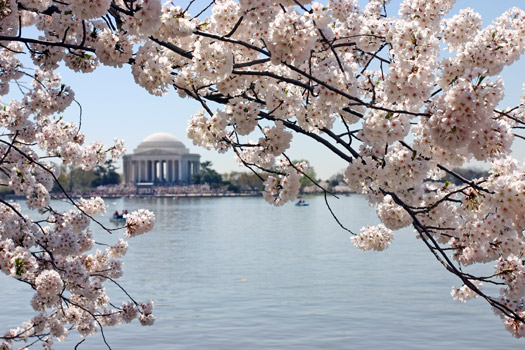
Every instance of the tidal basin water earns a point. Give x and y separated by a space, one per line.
237 273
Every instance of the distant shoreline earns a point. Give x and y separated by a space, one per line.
185 195
144 195
159 195
127 191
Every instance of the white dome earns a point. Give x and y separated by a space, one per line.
161 137
161 141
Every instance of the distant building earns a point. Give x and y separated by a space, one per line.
160 159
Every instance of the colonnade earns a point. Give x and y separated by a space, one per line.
160 171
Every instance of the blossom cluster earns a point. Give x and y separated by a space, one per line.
463 120
373 238
393 215
464 293
281 189
152 69
139 222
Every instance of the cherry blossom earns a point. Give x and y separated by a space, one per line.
465 293
139 222
373 238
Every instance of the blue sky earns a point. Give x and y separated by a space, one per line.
114 106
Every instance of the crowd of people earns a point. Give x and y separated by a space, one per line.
132 190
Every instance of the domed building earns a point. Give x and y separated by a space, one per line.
160 159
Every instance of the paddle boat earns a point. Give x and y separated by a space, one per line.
302 203
118 218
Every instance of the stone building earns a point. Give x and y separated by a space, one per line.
160 159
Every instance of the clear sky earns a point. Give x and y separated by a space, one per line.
114 106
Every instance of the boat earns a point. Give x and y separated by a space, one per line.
302 203
117 220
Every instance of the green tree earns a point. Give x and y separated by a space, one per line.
63 179
467 173
244 181
6 190
207 175
80 179
337 179
310 174
106 175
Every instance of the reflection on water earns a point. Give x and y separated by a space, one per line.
237 273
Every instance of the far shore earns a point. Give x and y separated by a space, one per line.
156 195
144 195
132 191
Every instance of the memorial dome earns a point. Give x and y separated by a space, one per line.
160 160
161 141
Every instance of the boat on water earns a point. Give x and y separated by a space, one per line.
117 220
302 203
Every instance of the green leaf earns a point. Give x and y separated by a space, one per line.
481 78
20 266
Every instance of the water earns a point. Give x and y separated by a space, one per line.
237 273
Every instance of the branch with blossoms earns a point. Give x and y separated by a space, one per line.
374 90
57 259
427 235
54 256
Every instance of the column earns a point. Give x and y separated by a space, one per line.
196 166
170 170
125 169
135 171
154 171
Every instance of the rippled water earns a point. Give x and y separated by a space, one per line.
237 273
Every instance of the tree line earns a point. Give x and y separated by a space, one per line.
77 179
